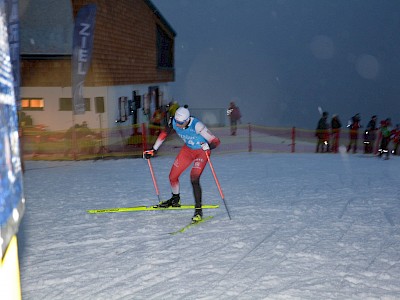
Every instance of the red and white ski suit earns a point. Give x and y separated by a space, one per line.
194 135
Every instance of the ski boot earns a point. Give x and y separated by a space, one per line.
175 201
198 215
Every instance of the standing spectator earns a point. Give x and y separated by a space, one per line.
395 135
354 125
322 133
385 131
171 109
370 135
156 121
234 115
335 131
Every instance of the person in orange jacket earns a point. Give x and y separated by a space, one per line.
395 136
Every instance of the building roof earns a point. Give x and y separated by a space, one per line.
46 27
160 16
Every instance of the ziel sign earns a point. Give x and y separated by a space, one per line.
82 53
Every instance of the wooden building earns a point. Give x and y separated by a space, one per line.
132 59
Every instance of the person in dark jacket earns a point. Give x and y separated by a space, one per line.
336 125
322 133
354 125
234 115
370 135
385 131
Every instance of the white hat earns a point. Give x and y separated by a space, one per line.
182 115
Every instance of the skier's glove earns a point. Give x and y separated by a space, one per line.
149 153
205 146
214 143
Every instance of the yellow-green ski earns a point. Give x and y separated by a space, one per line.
146 208
183 229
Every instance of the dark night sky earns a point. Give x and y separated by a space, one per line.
282 59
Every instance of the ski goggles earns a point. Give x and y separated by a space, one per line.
181 123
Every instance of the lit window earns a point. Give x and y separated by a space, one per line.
32 104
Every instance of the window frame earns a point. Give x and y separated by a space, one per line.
67 105
165 49
30 107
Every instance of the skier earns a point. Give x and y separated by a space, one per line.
370 135
354 125
198 140
322 133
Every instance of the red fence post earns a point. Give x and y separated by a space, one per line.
250 143
144 137
293 139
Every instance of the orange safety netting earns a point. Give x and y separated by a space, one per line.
37 143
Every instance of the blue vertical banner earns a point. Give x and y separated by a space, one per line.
12 201
14 44
82 54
